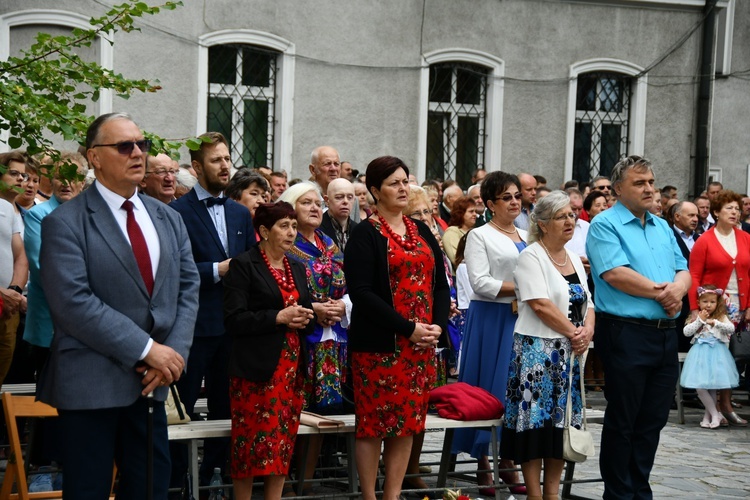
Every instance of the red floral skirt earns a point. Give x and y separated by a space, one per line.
265 417
392 390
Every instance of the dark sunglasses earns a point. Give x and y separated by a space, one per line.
602 188
508 197
126 147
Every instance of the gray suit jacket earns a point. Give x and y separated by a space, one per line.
101 310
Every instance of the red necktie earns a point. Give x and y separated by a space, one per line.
140 249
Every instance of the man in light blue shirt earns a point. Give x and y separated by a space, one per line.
641 278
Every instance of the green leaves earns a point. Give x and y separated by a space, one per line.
47 88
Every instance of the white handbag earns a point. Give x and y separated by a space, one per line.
578 444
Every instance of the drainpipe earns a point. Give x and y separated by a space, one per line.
705 92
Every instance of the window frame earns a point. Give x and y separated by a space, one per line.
637 119
494 102
284 102
64 19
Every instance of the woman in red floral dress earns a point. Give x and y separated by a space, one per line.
267 311
401 300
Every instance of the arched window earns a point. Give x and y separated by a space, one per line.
462 103
606 117
247 83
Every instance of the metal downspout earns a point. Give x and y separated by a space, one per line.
705 93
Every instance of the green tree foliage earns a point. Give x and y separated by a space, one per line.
47 88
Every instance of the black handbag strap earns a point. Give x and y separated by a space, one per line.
177 402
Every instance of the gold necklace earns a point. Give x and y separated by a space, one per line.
553 260
515 229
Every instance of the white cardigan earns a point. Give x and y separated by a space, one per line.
537 278
490 260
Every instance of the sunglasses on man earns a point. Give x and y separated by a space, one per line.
126 147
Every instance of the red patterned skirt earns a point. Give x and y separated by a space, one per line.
265 417
392 390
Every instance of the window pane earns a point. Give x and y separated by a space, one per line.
610 95
436 132
220 116
469 86
440 83
255 137
610 148
586 93
467 149
256 67
222 64
582 152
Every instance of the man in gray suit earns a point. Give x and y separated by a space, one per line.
122 287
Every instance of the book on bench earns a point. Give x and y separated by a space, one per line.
319 421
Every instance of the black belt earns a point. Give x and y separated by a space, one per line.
653 323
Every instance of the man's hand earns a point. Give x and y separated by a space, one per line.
670 296
224 267
164 359
12 301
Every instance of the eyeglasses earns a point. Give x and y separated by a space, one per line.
570 216
608 187
420 215
126 147
507 198
163 172
22 175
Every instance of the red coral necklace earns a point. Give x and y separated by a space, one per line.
285 280
409 241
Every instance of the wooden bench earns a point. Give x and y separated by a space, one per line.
195 431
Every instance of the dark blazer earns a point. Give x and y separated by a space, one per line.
327 227
252 299
444 213
683 342
374 320
102 313
207 249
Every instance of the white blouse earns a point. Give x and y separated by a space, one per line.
537 278
490 260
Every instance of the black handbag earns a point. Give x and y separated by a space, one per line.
739 343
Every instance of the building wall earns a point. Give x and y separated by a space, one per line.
358 66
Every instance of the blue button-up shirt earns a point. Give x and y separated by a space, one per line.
617 238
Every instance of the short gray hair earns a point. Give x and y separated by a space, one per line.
544 210
92 134
293 193
626 164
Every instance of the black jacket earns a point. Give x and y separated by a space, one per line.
327 227
374 320
252 299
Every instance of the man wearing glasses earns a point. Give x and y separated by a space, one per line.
161 177
122 289
11 182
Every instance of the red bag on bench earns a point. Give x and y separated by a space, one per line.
461 401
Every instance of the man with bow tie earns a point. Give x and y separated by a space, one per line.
219 229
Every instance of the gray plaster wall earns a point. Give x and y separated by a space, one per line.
357 72
730 139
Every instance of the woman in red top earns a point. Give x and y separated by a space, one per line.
721 257
268 313
400 296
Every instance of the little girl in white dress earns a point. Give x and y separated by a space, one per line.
709 365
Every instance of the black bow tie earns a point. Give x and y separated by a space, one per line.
210 202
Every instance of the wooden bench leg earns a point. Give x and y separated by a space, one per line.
193 458
495 463
351 464
445 458
570 468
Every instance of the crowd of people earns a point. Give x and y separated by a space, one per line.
357 292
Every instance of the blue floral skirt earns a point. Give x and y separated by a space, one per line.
536 398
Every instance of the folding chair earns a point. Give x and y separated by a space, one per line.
23 406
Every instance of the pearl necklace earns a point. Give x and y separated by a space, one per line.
515 229
407 241
553 260
285 280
